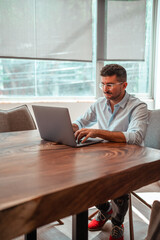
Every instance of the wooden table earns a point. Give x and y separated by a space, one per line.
41 181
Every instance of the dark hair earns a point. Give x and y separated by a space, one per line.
114 69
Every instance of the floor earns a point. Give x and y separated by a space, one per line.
141 215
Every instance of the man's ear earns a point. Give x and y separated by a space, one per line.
125 85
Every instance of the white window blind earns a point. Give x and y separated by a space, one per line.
17 28
123 29
46 29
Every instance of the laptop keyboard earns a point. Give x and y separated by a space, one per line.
88 141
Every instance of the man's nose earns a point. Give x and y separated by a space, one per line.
105 87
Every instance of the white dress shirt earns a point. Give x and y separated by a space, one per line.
130 116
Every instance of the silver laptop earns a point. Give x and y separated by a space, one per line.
54 125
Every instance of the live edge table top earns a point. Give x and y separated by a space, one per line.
43 181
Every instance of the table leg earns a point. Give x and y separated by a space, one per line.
80 226
32 235
131 219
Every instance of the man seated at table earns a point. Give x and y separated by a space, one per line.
121 118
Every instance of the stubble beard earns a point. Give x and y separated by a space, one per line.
113 98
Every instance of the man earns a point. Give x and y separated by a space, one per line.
121 118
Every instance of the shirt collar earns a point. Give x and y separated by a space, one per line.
122 103
124 100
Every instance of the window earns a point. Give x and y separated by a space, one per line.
64 78
32 78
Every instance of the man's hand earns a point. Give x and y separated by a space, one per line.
104 134
86 133
75 127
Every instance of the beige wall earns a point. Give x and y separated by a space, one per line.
75 108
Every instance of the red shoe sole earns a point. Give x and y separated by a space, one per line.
122 238
95 229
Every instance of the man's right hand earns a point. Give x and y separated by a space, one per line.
75 127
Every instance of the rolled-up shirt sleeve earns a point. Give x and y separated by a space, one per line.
138 121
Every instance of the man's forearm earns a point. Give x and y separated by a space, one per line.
111 136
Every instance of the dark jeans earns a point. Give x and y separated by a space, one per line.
119 207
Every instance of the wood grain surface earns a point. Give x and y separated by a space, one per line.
42 181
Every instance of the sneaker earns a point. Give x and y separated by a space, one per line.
117 233
97 224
